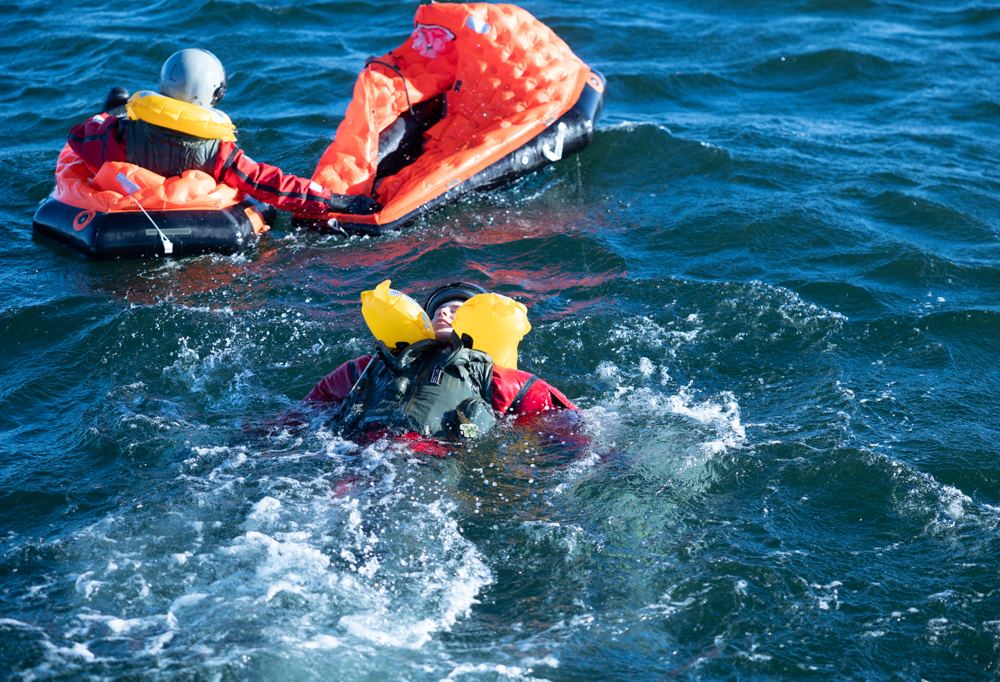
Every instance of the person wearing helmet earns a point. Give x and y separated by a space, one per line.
436 387
196 76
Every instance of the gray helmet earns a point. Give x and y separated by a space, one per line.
193 75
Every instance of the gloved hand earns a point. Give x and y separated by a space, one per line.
358 204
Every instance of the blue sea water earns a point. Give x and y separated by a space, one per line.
770 283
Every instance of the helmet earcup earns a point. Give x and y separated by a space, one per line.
218 94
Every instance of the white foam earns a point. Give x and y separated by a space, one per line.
576 469
295 558
290 556
948 507
829 595
265 514
80 650
752 655
386 630
119 626
21 625
87 586
505 671
670 606
154 645
321 642
722 413
186 600
646 367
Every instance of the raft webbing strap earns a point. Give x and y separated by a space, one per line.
516 402
228 164
406 89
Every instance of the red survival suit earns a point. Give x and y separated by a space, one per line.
109 138
513 391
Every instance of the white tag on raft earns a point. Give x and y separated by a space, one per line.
477 25
127 185
130 189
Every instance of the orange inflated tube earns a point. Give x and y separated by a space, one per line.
98 212
507 77
77 185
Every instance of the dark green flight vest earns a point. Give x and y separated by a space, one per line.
424 388
168 152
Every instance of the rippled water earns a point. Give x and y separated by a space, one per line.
770 283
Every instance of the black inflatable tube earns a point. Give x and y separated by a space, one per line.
130 234
577 132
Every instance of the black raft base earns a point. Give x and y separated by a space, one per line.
130 234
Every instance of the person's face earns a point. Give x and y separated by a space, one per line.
443 318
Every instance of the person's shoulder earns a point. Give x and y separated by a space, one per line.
507 382
510 375
97 122
338 383
521 391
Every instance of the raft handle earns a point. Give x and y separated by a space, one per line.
406 88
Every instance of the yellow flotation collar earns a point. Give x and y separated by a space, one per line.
393 317
184 117
496 324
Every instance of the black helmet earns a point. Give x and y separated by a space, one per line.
117 97
194 75
457 291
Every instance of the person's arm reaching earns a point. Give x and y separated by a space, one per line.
283 190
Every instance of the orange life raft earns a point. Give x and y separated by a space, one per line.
479 95
91 213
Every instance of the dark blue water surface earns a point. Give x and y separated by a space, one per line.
771 283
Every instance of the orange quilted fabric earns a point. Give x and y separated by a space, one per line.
508 76
78 185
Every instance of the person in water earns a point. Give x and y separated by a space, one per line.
437 388
197 77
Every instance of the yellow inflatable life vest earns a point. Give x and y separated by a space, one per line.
183 117
393 317
496 324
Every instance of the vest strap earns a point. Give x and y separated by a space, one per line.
515 404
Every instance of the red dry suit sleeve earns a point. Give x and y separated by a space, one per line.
96 140
507 387
335 386
268 184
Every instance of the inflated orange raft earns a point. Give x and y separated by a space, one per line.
479 95
98 214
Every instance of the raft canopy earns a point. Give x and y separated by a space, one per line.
482 79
